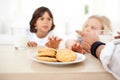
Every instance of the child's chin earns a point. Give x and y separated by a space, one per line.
45 30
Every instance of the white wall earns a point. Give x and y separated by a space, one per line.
68 14
109 8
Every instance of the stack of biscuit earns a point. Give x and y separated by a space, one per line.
53 55
47 54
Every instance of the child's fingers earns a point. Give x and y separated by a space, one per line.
28 44
117 37
48 44
79 32
32 44
119 33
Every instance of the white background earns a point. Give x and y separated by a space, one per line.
69 15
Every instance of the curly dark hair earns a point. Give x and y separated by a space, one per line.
39 13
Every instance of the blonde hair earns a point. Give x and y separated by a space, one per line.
106 23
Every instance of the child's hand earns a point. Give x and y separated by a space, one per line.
118 37
77 48
85 46
53 42
32 44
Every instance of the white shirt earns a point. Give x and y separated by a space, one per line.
110 58
39 41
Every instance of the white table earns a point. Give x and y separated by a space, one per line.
16 65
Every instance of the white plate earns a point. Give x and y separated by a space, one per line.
80 58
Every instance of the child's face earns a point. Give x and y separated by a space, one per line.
44 23
92 24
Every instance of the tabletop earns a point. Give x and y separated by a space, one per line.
17 65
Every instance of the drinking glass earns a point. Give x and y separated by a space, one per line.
104 35
19 36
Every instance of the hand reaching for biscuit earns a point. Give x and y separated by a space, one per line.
53 42
77 47
32 44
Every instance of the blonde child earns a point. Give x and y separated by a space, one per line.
41 26
93 24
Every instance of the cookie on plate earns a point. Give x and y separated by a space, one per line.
65 55
46 49
48 59
46 52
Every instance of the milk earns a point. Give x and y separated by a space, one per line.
19 38
104 35
105 38
19 41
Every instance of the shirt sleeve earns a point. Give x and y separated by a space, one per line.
110 57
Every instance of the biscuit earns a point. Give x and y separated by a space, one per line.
46 49
65 55
48 59
46 54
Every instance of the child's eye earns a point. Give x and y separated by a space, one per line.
93 28
49 19
41 18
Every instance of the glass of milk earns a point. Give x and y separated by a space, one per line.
104 35
19 36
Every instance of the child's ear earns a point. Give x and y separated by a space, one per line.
36 28
35 24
